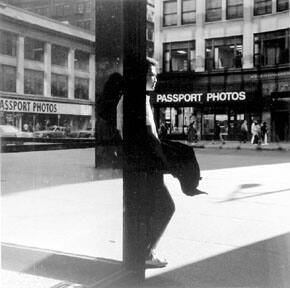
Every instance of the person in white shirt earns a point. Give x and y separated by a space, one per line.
160 205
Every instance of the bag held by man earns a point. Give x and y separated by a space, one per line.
182 164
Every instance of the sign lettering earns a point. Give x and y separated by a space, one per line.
201 97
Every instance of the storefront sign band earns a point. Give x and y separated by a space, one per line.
201 97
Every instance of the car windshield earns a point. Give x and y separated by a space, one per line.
8 129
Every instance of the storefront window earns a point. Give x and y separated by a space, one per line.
7 78
234 9
282 5
213 10
82 60
262 7
81 88
224 53
33 49
179 56
59 84
59 55
188 11
170 13
8 43
33 82
272 48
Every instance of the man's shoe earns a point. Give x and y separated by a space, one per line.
154 262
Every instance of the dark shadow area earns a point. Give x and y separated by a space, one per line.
265 264
237 194
56 265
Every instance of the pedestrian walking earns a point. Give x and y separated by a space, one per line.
160 206
191 134
264 133
218 133
244 131
254 131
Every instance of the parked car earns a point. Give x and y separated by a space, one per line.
52 132
15 133
89 133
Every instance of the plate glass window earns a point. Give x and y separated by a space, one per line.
272 48
81 88
179 56
82 60
59 55
188 11
33 82
170 13
234 9
213 10
7 78
282 5
59 84
8 43
33 49
262 7
224 53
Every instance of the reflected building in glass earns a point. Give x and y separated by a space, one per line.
47 71
222 62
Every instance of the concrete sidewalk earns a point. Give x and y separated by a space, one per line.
70 235
272 146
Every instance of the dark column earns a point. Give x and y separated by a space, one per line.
121 47
134 172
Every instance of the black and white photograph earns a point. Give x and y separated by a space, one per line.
145 143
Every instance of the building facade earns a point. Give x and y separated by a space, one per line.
79 13
222 62
47 72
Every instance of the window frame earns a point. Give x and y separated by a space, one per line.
257 7
278 5
237 16
207 8
213 43
259 49
12 43
27 54
169 47
36 72
183 22
4 76
77 81
56 76
167 14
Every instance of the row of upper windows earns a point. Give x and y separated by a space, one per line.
234 10
66 9
271 48
34 83
34 50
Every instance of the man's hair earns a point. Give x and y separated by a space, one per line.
150 62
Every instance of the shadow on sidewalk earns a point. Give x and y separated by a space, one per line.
262 264
83 270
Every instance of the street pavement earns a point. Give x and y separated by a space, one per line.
62 222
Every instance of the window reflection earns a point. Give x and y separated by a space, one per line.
81 88
82 60
33 49
59 84
224 53
7 78
179 56
8 43
59 55
33 82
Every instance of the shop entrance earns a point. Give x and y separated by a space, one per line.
281 123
